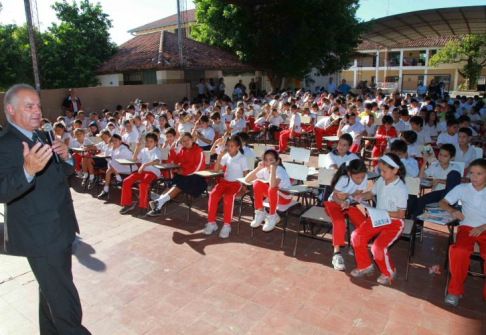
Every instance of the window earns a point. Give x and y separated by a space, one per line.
394 58
392 79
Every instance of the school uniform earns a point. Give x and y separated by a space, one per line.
237 126
423 137
474 210
226 118
274 126
131 137
354 130
149 174
209 134
381 141
104 149
411 167
445 138
432 130
466 157
220 128
248 152
294 129
391 197
258 124
191 160
274 195
436 171
400 126
335 160
323 128
412 150
122 152
78 157
345 184
228 187
185 128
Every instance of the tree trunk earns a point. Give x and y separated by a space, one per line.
275 80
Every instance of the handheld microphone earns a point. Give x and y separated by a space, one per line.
50 139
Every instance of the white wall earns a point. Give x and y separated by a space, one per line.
110 79
320 80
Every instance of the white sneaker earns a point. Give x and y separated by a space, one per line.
225 231
260 216
210 227
270 222
338 262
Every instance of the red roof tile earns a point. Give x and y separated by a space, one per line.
142 53
166 21
435 41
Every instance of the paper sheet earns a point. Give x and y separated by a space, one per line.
379 217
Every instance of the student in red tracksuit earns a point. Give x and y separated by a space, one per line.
472 228
350 180
384 132
147 172
270 176
391 196
236 167
191 159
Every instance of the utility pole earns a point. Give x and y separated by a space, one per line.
179 33
28 14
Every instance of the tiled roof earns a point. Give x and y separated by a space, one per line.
435 41
144 52
166 21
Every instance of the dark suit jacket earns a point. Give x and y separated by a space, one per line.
39 217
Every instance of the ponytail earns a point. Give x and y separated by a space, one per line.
401 168
352 167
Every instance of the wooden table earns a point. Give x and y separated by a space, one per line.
123 161
167 166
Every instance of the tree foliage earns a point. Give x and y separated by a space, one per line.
68 53
471 49
285 38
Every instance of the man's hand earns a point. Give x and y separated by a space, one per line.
458 215
477 231
35 159
60 149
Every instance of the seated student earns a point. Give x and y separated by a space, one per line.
398 124
465 122
449 136
245 140
294 129
218 125
259 124
271 177
445 176
405 118
147 172
227 116
306 111
79 141
349 126
89 163
203 133
368 110
274 120
391 195
464 152
326 126
239 123
472 228
431 124
383 135
185 124
368 123
350 180
423 138
410 137
130 133
93 129
341 154
236 167
62 134
191 159
170 141
119 150
399 148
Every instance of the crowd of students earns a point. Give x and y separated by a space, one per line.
411 130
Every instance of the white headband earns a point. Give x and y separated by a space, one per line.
387 159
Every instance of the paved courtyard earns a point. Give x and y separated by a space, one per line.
164 276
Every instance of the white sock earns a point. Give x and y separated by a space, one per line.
91 177
162 200
106 188
118 177
85 175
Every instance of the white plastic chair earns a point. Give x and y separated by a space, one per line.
300 155
323 161
259 149
479 152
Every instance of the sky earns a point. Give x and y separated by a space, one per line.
129 14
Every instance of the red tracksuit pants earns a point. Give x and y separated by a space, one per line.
459 260
228 190
145 179
77 161
338 221
387 236
275 197
284 138
378 151
322 132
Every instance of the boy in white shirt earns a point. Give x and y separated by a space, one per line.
355 129
218 125
464 152
423 138
450 136
203 133
341 154
294 129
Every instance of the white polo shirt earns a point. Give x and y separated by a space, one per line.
411 167
235 166
226 117
237 125
208 134
219 127
346 185
473 204
275 121
391 197
432 130
323 123
466 157
446 138
353 130
335 159
146 156
73 143
400 126
423 137
436 171
248 152
131 137
280 174
295 122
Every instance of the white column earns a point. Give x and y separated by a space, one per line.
426 57
456 78
400 73
401 58
377 66
355 78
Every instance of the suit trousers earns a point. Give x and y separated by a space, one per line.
59 305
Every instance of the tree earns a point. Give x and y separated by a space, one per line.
471 49
285 38
76 47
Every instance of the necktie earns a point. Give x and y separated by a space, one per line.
35 137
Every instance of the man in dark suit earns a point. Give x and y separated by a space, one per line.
40 222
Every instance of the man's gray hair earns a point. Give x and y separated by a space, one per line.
10 97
